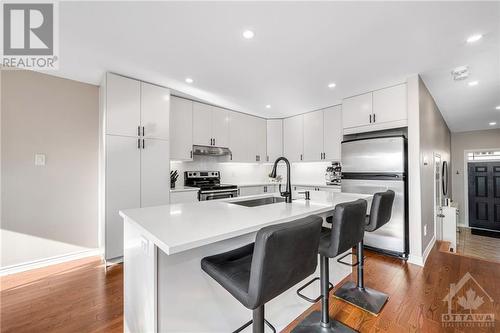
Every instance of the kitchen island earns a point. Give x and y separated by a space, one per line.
165 288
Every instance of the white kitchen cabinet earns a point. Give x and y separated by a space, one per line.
293 138
357 111
313 136
183 196
202 124
259 136
239 141
257 189
210 125
155 104
134 153
123 188
181 131
390 105
155 172
332 133
274 139
123 105
220 127
379 110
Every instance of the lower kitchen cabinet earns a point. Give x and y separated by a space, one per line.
255 190
183 196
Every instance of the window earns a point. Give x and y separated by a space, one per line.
483 155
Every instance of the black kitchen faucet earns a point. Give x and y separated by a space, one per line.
288 193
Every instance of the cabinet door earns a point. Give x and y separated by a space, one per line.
181 129
259 139
220 127
239 142
313 136
155 173
123 105
293 138
155 106
274 139
202 124
357 110
123 188
332 122
390 104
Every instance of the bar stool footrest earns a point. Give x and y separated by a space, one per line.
364 298
312 300
248 323
312 324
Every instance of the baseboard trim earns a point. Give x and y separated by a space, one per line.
420 260
26 266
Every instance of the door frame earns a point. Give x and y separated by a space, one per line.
434 157
466 181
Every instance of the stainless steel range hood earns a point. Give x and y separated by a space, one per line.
211 151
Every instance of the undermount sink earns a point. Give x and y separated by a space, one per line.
259 201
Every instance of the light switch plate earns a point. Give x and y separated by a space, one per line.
40 159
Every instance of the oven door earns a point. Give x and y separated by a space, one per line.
214 195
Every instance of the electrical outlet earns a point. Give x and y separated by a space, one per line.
425 229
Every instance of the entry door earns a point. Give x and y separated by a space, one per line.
484 195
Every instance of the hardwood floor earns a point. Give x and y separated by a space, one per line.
487 248
81 297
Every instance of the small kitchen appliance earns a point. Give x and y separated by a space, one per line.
333 174
209 184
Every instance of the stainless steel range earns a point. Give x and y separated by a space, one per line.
209 184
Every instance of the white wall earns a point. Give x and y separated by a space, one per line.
47 211
460 142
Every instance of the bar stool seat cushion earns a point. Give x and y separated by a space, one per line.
232 270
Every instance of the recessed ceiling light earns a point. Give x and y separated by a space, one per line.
473 83
493 123
189 80
268 106
498 107
248 34
460 73
332 85
474 38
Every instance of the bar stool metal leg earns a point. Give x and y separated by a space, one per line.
320 322
358 295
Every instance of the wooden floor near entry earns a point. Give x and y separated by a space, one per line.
478 246
80 297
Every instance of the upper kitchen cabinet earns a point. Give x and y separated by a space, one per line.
239 132
259 137
313 136
122 102
357 111
220 127
390 106
155 103
332 133
210 125
375 111
293 138
181 133
274 139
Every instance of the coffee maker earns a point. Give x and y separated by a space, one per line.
333 174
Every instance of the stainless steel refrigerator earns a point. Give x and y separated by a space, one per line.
371 165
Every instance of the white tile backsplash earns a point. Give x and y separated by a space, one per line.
247 173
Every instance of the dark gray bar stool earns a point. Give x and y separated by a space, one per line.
282 256
358 295
347 230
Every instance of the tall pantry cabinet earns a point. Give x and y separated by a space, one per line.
134 154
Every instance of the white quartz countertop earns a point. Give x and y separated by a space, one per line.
283 184
180 227
181 188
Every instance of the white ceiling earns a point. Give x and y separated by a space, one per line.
297 50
